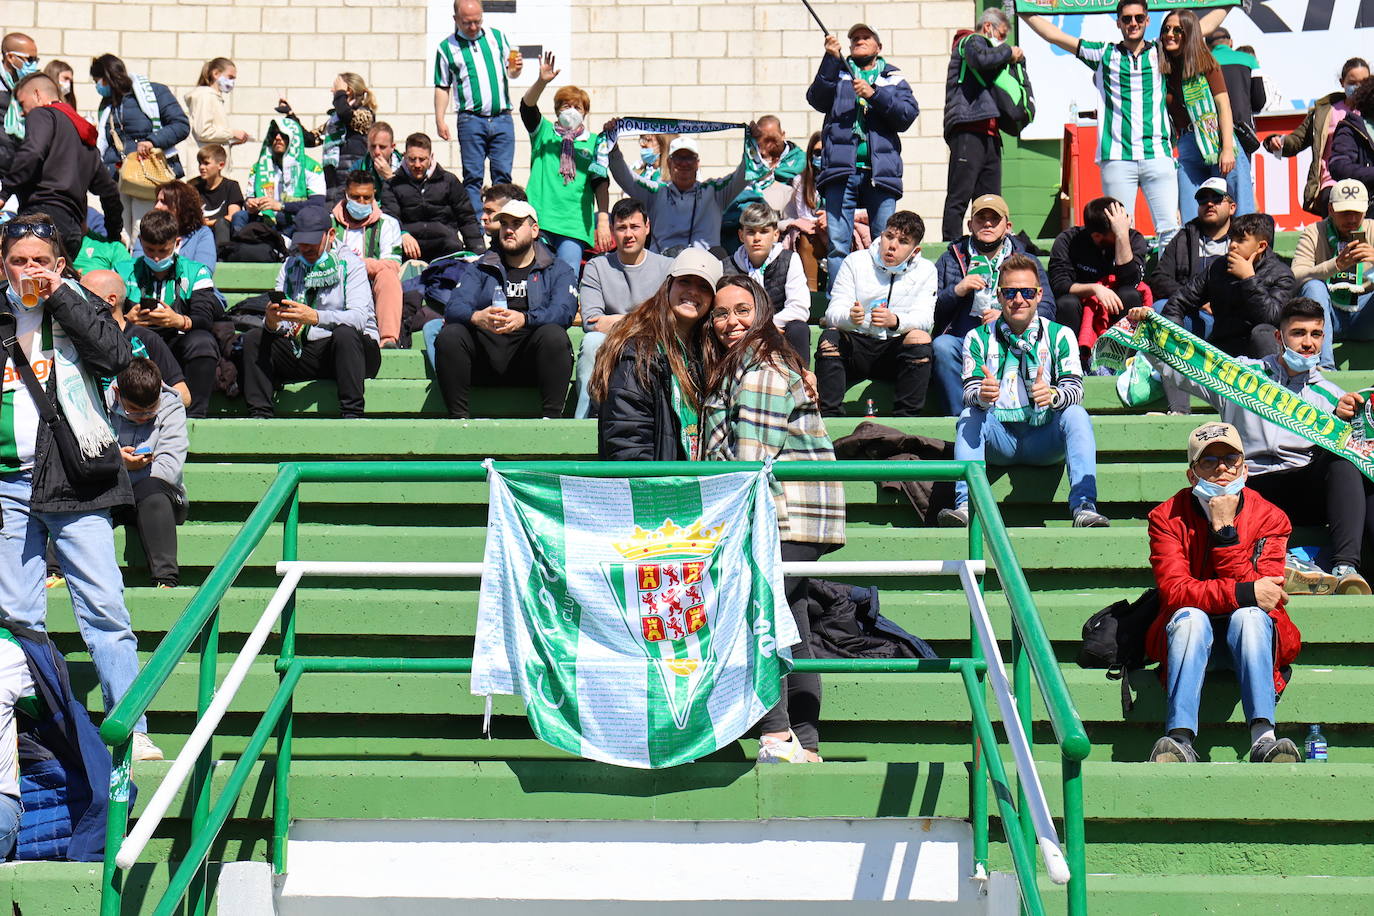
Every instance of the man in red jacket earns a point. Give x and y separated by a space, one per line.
1217 550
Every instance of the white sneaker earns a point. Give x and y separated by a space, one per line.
780 750
144 748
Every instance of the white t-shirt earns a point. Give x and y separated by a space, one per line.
15 682
18 416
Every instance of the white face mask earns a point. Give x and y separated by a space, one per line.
570 118
226 85
65 86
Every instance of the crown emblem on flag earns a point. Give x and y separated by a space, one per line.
670 539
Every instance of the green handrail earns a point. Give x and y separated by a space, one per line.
283 494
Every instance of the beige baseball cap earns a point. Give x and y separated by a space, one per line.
1349 194
696 262
1210 434
520 209
993 202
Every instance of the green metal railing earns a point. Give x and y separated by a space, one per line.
1032 659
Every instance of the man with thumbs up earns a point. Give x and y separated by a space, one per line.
1023 396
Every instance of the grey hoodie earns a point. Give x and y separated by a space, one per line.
166 435
1268 446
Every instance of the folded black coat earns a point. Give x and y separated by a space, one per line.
875 442
845 623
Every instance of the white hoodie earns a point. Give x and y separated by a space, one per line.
908 291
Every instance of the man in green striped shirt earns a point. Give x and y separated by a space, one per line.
1134 147
474 66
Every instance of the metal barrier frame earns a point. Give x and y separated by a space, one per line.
1032 656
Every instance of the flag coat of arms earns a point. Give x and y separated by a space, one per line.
642 620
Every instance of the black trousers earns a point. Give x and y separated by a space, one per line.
1330 491
1068 308
197 352
798 337
799 708
347 356
463 355
158 509
860 357
975 169
435 239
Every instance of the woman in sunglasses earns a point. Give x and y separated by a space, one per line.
69 343
1200 111
756 407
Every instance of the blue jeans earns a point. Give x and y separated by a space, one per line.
1356 325
586 362
949 370
1192 172
1067 437
10 809
429 332
483 139
1250 639
566 248
84 542
1158 178
1199 325
841 200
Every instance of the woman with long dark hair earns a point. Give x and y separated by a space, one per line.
1200 110
647 379
1315 133
1352 145
136 116
756 406
803 221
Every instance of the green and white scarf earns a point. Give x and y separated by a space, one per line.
326 272
987 267
14 114
1202 111
1017 359
1345 286
297 169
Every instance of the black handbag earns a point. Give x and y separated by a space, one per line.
80 467
1249 140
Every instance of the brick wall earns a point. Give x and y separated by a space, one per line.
689 58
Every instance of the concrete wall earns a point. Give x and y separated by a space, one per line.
689 58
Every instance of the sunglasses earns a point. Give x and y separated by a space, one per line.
1211 199
1009 293
37 230
1208 464
31 59
1171 30
1135 19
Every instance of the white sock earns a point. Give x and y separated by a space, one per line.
1261 729
1181 735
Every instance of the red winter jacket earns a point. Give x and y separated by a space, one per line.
1191 570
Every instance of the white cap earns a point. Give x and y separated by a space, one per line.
1215 185
519 209
684 143
696 262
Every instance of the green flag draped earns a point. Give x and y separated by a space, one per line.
641 620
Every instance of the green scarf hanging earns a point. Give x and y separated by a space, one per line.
326 272
1202 111
297 169
14 114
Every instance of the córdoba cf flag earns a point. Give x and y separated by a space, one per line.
642 620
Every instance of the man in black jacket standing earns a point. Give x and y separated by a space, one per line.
975 145
431 205
56 164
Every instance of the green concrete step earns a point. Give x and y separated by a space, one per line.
287 439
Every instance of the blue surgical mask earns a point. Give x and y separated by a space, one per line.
1299 363
357 210
815 162
27 68
1350 89
1206 491
102 90
648 155
159 266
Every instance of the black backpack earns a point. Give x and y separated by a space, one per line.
1114 638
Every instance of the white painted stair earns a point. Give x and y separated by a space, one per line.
820 865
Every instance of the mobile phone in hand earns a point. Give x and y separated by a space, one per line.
276 297
144 449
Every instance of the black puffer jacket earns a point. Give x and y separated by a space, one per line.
1237 305
1178 263
104 351
1352 151
968 101
438 198
637 422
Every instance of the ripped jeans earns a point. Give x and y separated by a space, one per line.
1193 651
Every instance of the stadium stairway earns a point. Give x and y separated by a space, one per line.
1224 836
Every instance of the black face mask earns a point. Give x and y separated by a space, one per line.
987 247
864 62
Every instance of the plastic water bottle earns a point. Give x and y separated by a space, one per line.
1316 745
498 300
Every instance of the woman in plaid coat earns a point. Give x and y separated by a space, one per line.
757 405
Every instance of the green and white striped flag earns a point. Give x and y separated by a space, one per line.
642 620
